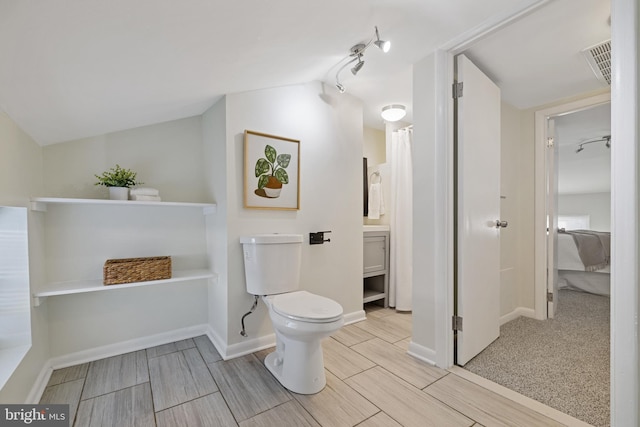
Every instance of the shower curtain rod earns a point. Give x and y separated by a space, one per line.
402 128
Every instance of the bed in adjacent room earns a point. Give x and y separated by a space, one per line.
583 261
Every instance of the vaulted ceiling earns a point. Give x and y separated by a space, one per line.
77 68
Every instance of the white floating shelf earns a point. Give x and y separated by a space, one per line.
83 286
40 203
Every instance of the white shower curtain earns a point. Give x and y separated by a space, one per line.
401 275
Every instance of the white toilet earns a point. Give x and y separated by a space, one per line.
301 319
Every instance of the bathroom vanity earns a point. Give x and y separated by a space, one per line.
376 264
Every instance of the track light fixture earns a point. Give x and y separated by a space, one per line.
357 54
606 139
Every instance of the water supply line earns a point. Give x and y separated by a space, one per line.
253 307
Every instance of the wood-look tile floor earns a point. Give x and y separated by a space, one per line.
371 382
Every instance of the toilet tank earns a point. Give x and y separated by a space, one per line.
272 263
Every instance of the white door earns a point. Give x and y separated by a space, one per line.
552 220
478 198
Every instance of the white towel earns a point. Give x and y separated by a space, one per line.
143 198
144 191
376 202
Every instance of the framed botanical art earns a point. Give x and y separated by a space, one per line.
271 171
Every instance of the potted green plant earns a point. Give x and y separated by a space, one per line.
271 173
118 180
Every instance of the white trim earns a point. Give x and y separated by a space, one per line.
518 312
217 341
423 353
356 316
109 350
128 346
252 345
525 401
444 210
37 389
624 213
97 353
540 201
467 39
247 346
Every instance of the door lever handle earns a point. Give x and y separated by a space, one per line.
501 224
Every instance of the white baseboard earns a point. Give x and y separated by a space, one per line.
109 350
519 311
248 346
226 351
260 343
423 353
41 383
356 316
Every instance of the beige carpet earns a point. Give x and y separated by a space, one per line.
561 362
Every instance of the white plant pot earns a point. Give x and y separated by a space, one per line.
118 193
272 192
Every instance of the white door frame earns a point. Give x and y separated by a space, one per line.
625 185
540 198
625 210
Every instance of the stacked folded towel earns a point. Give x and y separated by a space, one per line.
144 194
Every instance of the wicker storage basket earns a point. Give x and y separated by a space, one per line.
130 270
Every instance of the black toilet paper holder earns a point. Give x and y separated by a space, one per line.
317 238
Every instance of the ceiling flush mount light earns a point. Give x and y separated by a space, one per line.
356 55
606 139
393 112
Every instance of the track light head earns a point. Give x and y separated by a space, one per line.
340 87
580 148
608 141
358 66
383 45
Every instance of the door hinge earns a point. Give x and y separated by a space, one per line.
549 296
550 142
456 323
457 90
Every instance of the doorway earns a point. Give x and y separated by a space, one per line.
534 303
433 105
532 354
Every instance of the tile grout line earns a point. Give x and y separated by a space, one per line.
218 385
84 383
153 404
424 390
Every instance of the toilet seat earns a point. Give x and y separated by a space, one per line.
304 306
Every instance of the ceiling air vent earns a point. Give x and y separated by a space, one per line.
599 58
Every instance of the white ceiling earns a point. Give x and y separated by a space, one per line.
539 59
79 68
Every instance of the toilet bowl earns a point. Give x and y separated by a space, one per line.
301 320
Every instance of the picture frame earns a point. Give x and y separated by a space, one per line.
271 172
